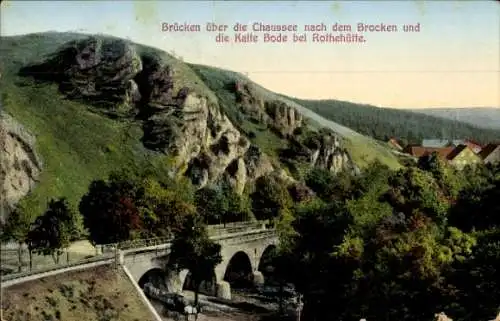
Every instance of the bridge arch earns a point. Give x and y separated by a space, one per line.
266 265
208 287
239 270
156 276
266 260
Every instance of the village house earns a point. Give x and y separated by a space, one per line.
474 146
440 143
459 156
463 155
419 151
490 154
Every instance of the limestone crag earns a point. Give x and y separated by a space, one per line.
20 166
250 103
275 113
258 163
156 83
322 149
284 119
188 127
327 153
179 120
96 70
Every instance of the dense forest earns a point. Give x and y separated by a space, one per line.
382 123
396 245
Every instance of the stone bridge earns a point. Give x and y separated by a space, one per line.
242 256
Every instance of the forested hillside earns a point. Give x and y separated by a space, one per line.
382 123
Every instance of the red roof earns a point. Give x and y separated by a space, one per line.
472 144
419 151
487 150
456 151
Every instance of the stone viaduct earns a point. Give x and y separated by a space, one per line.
244 248
242 254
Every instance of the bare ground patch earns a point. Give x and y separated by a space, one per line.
97 294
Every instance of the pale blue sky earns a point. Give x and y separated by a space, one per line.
455 37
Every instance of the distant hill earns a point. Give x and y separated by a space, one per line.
487 117
408 125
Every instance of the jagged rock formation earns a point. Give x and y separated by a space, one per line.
282 118
177 120
321 149
95 70
20 166
250 166
326 152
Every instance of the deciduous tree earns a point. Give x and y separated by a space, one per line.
55 230
16 229
163 208
109 210
270 197
193 250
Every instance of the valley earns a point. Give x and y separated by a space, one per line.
193 177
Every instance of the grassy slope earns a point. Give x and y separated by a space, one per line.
100 293
76 145
363 149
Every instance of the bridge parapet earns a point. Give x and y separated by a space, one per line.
227 239
234 227
95 259
215 231
241 238
132 244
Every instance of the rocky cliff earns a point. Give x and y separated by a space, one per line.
19 164
179 115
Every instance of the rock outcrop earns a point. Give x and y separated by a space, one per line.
284 119
181 123
184 123
322 149
326 152
279 116
20 166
